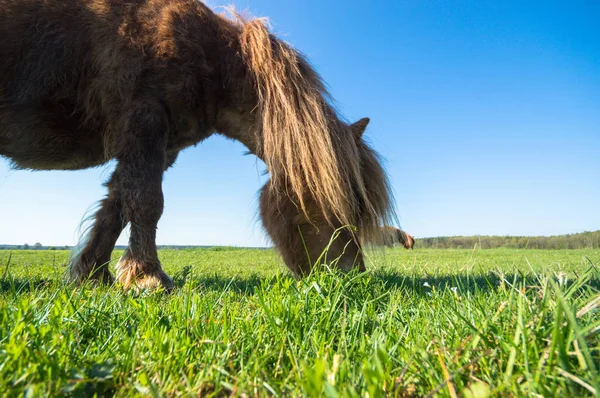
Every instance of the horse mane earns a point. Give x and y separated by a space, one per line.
308 151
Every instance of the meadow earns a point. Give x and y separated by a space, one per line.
427 322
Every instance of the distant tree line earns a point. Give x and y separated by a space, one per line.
35 246
585 240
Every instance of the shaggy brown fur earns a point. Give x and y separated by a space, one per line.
86 81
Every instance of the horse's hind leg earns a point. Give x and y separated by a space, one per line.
89 261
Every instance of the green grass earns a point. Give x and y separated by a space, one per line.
439 322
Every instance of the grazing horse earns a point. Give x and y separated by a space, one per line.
86 81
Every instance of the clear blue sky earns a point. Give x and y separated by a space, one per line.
488 113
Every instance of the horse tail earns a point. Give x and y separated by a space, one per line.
405 239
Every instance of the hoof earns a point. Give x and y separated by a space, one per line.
131 275
151 282
95 277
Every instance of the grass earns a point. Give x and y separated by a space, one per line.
421 323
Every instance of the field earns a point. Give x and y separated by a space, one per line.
471 323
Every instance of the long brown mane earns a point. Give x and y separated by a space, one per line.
305 146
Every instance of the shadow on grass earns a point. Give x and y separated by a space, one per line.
22 285
242 285
247 285
239 284
472 283
388 280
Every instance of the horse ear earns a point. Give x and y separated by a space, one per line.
358 128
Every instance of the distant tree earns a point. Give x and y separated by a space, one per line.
52 248
37 246
25 246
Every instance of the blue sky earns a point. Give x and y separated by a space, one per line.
487 112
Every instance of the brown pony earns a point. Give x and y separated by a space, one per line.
86 81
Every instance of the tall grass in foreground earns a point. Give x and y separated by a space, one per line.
429 323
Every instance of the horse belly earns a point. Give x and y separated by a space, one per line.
46 50
44 140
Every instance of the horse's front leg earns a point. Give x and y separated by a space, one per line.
141 162
90 259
